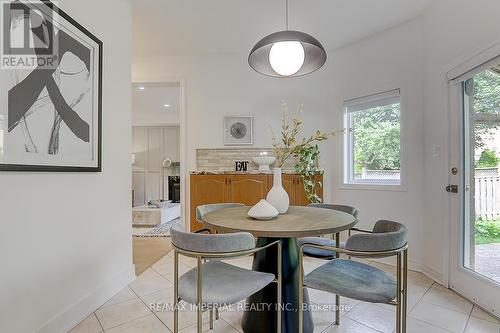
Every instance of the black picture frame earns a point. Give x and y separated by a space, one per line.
61 168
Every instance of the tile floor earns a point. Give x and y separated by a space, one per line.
432 308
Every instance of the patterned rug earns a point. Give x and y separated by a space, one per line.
163 230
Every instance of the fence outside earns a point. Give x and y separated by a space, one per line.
487 193
487 189
378 174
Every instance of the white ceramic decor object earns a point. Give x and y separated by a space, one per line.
263 211
264 162
278 197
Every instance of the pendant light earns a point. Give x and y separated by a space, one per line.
287 53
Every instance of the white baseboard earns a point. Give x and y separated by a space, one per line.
418 267
412 265
75 313
434 275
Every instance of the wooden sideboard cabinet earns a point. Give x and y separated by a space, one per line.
294 186
247 189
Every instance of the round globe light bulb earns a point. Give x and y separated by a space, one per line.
287 58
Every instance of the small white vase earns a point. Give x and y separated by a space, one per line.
278 197
263 210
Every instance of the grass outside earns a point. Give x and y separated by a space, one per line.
487 232
487 240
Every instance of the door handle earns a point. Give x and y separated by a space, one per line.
452 188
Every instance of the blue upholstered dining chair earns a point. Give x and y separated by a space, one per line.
327 254
320 253
214 283
360 281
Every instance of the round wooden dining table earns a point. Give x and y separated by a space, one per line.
259 316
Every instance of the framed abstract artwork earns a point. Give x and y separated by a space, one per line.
50 91
238 131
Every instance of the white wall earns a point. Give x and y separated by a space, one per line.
140 118
392 59
65 243
151 146
413 56
453 29
218 85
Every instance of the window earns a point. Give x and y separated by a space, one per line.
373 143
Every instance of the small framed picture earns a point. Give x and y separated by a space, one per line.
238 130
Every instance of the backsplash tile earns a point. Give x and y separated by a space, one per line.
217 160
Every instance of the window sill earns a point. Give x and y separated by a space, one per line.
374 187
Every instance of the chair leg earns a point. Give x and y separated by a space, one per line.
301 295
337 310
279 286
398 295
337 241
405 289
199 309
211 315
176 292
348 236
217 316
337 297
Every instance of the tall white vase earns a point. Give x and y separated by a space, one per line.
278 197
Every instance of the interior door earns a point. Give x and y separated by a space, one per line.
475 186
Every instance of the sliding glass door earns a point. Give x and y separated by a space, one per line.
475 187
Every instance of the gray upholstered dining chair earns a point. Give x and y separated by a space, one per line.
205 209
360 281
214 283
208 208
320 253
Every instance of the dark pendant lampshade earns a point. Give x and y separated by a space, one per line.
302 54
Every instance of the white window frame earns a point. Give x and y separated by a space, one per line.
363 103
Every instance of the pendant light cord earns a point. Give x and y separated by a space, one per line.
286 15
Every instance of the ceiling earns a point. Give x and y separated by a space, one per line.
156 98
197 27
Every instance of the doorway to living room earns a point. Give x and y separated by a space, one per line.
156 169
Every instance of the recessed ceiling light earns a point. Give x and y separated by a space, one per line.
167 105
141 88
